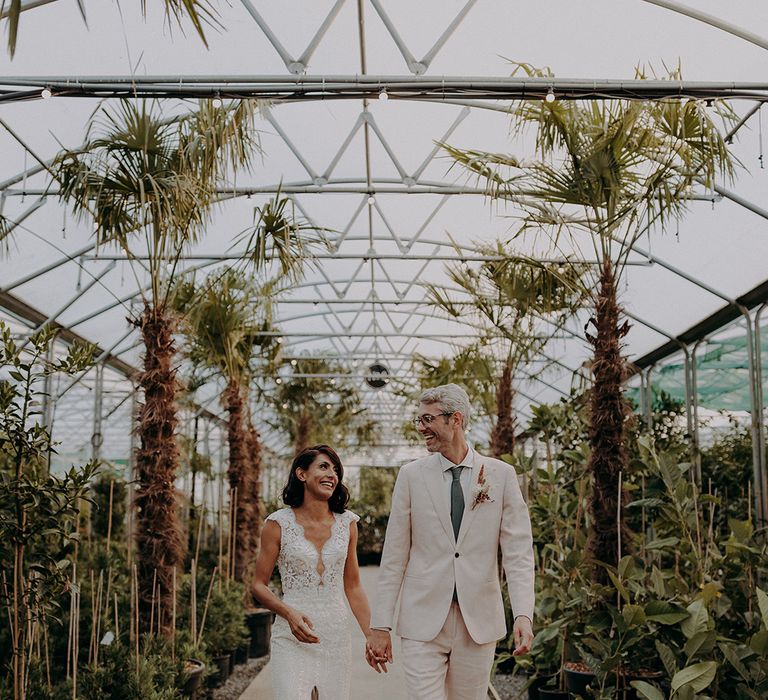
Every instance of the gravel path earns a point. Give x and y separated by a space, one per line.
240 679
510 687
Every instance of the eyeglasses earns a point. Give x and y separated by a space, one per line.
427 418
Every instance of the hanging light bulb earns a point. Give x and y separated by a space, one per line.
285 405
383 94
278 381
371 201
217 101
550 96
328 406
46 93
294 362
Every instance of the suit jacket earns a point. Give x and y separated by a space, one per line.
422 561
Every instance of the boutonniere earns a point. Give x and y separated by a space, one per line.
481 492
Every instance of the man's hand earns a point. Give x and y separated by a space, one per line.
378 650
523 635
301 627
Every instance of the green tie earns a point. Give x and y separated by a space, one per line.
457 500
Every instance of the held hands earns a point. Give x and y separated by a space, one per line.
378 650
301 627
523 635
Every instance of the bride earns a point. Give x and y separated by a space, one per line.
313 541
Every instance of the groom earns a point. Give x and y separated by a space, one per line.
451 512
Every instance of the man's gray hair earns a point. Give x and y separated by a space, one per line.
451 398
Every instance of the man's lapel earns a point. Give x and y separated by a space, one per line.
432 473
469 512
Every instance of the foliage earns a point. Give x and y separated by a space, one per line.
313 406
109 487
38 510
372 504
686 604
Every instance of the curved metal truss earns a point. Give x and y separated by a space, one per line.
357 153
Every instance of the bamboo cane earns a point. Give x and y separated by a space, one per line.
618 530
173 618
117 624
199 531
109 519
136 616
205 608
152 606
193 603
98 617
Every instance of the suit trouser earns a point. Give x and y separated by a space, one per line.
452 666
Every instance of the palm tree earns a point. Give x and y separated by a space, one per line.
224 320
613 170
152 180
509 296
199 13
312 406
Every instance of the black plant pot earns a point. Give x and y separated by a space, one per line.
551 694
223 666
535 684
577 681
194 678
240 655
259 624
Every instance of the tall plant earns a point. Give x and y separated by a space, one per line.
311 405
509 297
613 170
224 320
148 180
38 510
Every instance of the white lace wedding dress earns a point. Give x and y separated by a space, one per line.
297 667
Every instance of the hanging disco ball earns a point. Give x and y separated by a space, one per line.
378 376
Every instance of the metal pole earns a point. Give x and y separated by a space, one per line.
97 439
755 411
649 398
759 405
695 441
48 398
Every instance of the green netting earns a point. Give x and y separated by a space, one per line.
722 375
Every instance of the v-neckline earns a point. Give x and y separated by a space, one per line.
319 551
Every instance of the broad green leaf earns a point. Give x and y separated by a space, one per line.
634 615
701 642
759 643
662 543
696 677
664 612
733 658
619 586
762 601
647 691
698 620
668 657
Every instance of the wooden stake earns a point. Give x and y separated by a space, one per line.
205 609
109 521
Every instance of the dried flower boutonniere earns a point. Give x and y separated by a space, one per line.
481 490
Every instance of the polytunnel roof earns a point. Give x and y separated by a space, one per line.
368 170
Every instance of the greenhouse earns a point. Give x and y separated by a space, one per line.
501 261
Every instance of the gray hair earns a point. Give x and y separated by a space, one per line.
452 398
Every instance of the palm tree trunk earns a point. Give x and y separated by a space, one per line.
608 412
159 541
503 434
238 473
254 452
303 431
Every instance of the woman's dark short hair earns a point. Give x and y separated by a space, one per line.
293 493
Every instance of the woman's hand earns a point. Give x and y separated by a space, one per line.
301 627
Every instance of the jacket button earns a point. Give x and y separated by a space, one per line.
456 555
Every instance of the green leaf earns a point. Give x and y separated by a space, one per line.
696 677
668 657
701 642
634 615
619 586
646 690
762 601
698 620
662 543
759 643
730 653
664 612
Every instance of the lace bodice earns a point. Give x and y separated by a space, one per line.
298 559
